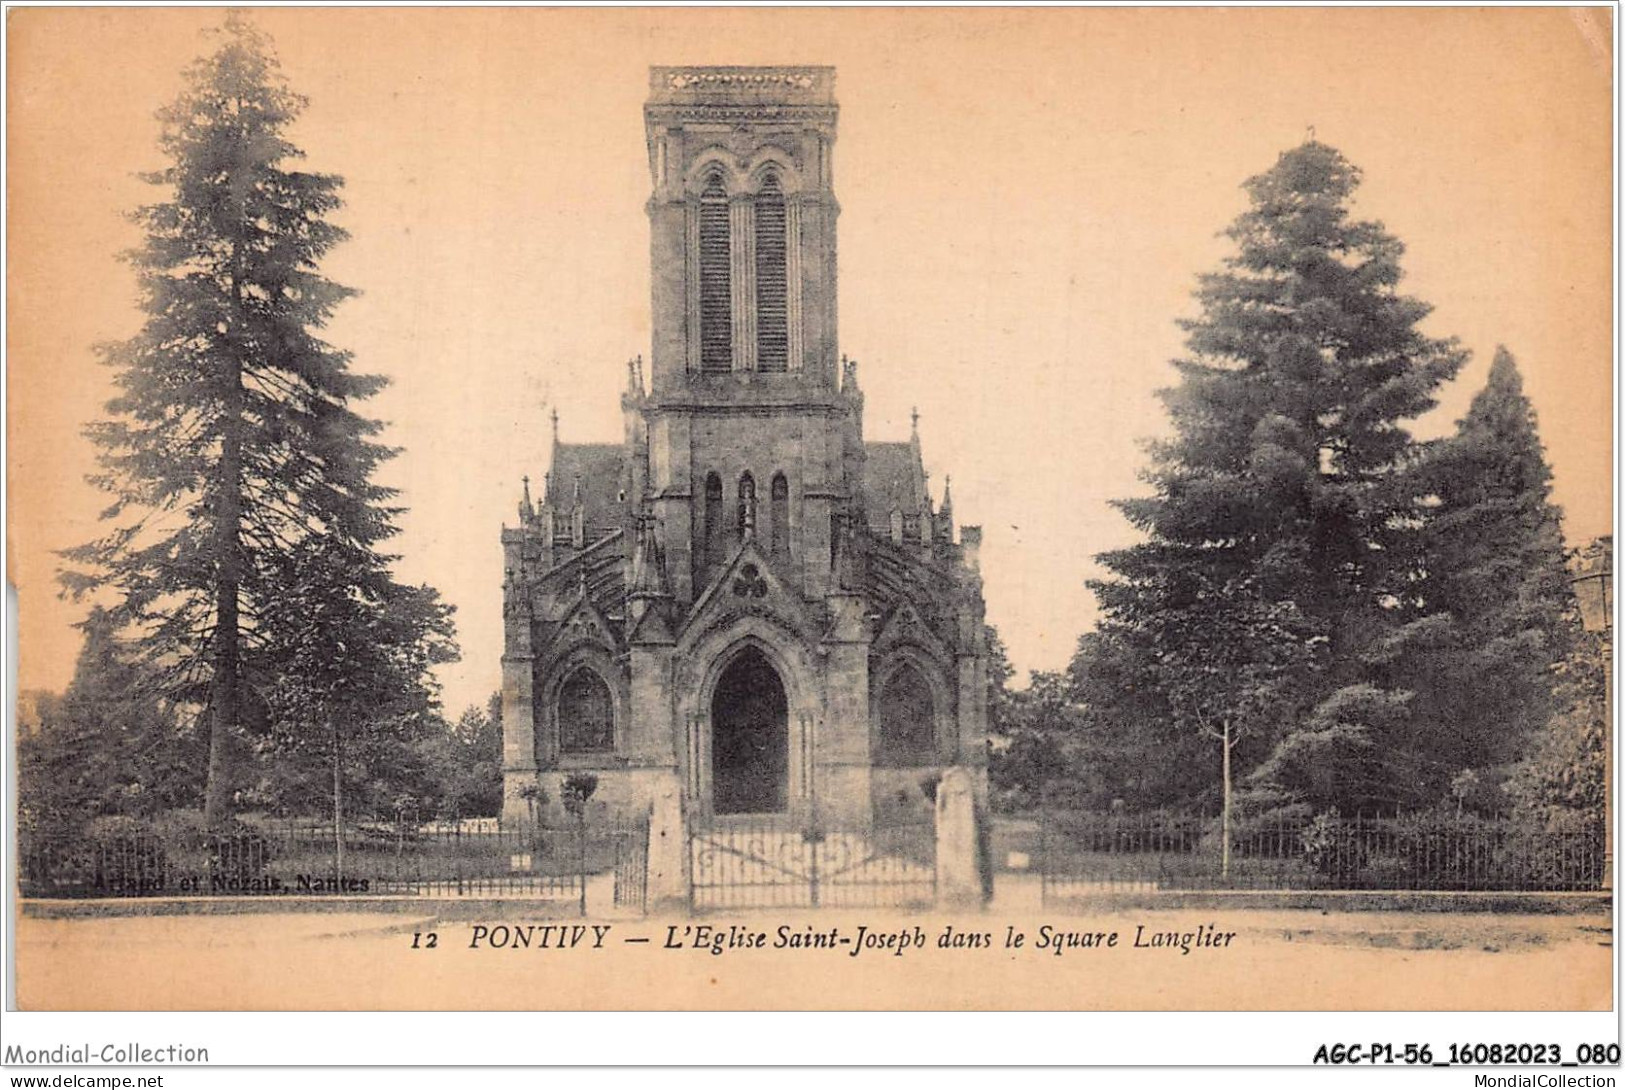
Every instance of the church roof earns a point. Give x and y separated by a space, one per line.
892 477
601 469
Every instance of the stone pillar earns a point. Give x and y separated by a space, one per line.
820 345
970 734
673 244
822 475
959 863
667 879
792 271
803 767
696 765
651 736
549 530
518 735
742 215
840 749
676 505
691 285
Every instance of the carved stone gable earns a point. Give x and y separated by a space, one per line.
584 624
906 625
747 584
649 626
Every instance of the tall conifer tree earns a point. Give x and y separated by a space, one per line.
1494 588
241 473
1285 501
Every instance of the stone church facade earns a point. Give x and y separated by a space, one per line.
743 605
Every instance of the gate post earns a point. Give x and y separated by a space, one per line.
959 871
666 886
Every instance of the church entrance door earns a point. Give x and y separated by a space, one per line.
750 738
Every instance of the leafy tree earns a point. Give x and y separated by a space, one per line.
353 693
1035 759
1042 752
1565 773
1494 588
1148 758
239 468
1053 751
106 746
1286 505
1566 770
466 759
1228 659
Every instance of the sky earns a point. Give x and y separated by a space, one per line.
1027 198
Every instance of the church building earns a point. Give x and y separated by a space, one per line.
742 604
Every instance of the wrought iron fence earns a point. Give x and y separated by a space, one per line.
756 862
1086 852
303 857
632 867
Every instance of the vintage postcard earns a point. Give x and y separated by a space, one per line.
800 509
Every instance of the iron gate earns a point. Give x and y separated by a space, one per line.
632 864
757 862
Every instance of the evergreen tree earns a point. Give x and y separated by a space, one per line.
1285 507
1494 590
1563 778
106 746
240 471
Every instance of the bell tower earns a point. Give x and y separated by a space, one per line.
742 222
747 424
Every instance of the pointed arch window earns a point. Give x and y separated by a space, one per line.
713 519
716 286
908 731
746 522
772 279
586 712
780 516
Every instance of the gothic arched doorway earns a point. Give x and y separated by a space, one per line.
750 737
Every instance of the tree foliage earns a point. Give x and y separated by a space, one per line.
107 745
1564 774
241 473
1037 759
1283 533
1566 769
1494 592
467 762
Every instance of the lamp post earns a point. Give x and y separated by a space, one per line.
1593 584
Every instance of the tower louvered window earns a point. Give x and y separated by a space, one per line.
716 305
772 315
